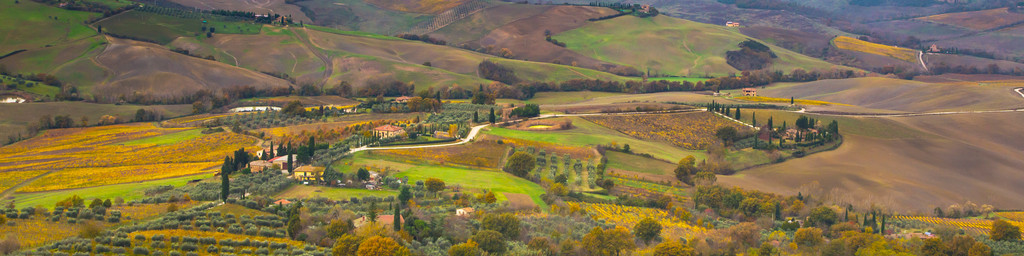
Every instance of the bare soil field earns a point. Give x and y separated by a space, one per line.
147 69
909 96
256 6
519 201
972 157
470 29
283 54
978 20
525 37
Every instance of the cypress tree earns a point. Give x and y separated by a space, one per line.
791 100
728 111
476 117
291 166
398 218
225 182
881 229
272 151
753 116
492 117
737 113
778 211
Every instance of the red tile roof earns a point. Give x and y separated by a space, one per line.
388 128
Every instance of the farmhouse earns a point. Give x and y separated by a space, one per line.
935 49
749 91
282 161
403 99
385 220
464 211
259 166
732 24
645 8
308 173
282 202
388 131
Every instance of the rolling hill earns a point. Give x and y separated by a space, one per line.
906 96
671 46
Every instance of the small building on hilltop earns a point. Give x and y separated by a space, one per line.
259 166
749 91
388 131
732 24
464 211
403 99
308 173
935 49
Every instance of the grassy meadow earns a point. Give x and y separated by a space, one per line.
670 46
31 25
163 28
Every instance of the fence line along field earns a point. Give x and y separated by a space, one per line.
95 156
673 225
686 130
853 44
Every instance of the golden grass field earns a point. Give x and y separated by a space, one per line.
627 216
783 100
853 44
94 156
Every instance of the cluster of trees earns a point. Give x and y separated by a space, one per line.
752 55
388 87
493 71
422 38
526 111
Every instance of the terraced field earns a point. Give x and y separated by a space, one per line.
853 44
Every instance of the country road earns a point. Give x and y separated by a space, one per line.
920 57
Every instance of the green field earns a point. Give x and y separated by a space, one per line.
554 98
496 181
636 163
163 28
166 139
35 88
303 191
586 133
670 46
129 192
31 25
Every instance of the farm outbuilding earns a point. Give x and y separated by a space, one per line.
260 166
464 211
749 91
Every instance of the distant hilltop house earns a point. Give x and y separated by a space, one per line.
464 211
308 173
403 99
749 91
388 131
259 166
732 24
645 8
935 49
385 220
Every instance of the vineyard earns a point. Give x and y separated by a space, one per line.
853 44
449 16
974 226
95 156
686 130
1014 216
642 189
673 227
482 154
